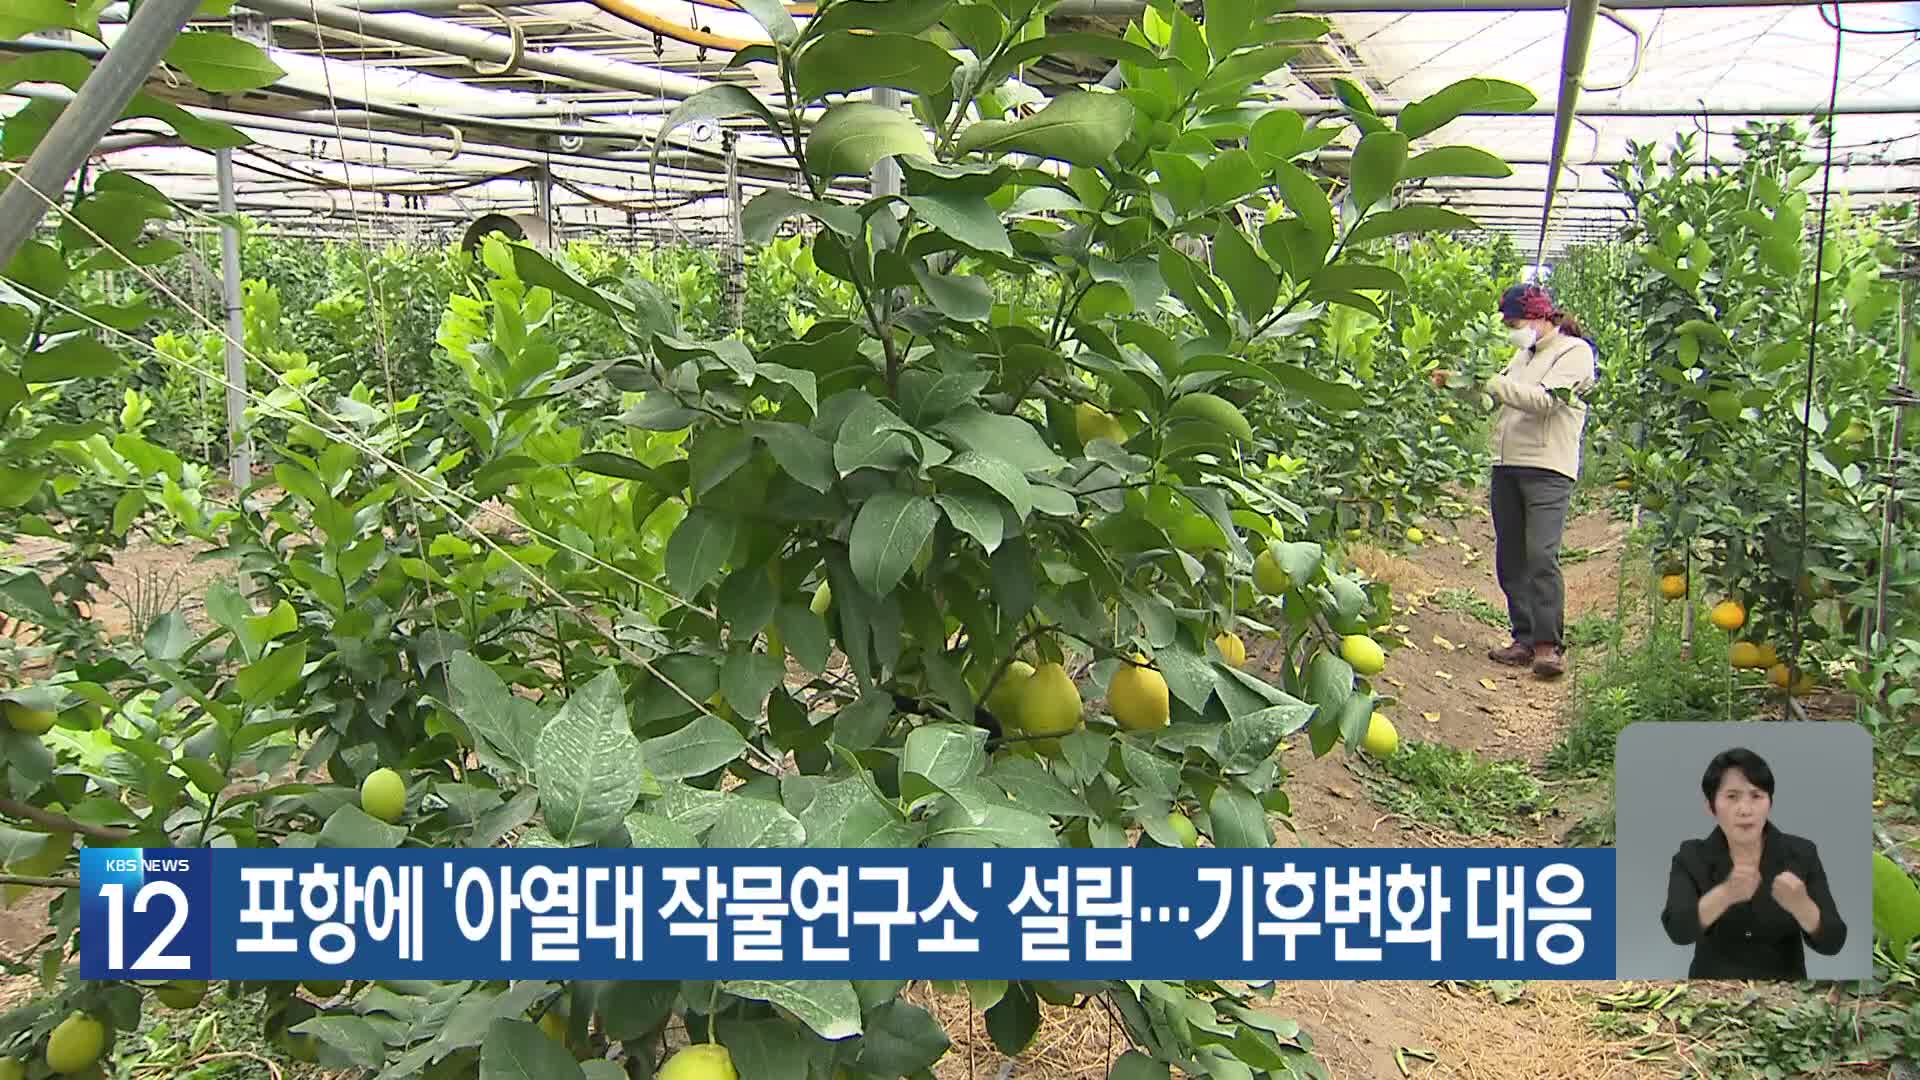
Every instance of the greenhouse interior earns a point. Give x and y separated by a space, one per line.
1365 433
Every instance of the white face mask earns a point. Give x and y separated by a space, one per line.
1523 337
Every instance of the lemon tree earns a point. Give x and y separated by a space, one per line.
852 588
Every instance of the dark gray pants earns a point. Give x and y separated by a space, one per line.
1529 516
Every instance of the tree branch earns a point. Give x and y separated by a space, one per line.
40 882
62 823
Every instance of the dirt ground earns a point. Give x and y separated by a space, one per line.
1360 1030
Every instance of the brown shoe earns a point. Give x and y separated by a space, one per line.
1550 663
1517 654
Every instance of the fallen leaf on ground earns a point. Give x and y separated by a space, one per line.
1430 717
1443 675
1489 684
1444 643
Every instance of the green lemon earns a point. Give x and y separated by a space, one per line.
13 1069
181 993
1004 702
324 989
76 1043
29 721
1268 577
1214 413
384 795
1381 739
705 1061
1090 423
1180 823
822 600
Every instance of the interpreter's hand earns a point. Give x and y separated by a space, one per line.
1745 881
1789 891
1439 378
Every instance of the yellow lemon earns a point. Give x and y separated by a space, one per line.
1415 536
383 795
1381 739
1232 649
1768 656
1364 653
554 1024
1137 697
1268 577
29 721
1004 702
76 1043
1090 423
1673 586
1049 703
1744 654
1728 615
1180 823
706 1061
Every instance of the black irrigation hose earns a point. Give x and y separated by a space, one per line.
1813 348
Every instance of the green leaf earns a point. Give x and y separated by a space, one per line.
773 1048
1411 219
773 17
74 358
1329 682
271 675
1013 1021
802 455
1377 165
1439 109
1238 819
887 533
1304 196
901 1038
1080 127
22 17
1003 827
966 218
1228 178
892 16
997 435
1300 560
828 1006
854 136
766 212
1330 395
1896 904
1255 286
942 757
848 814
356 1037
756 823
519 1050
702 746
352 827
1355 716
1456 161
714 103
1134 1065
841 62
221 63
653 831
1105 46
975 515
588 763
699 549
507 723
1002 477
961 297
1356 277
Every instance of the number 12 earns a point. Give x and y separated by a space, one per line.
154 958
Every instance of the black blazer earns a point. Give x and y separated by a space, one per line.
1755 938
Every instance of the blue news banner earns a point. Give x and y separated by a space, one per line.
620 913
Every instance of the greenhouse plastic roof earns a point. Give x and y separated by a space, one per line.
456 139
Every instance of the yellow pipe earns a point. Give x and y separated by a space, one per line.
621 9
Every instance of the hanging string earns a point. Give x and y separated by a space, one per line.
1813 349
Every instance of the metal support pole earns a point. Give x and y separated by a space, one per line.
736 231
1573 65
886 171
99 103
239 445
1891 517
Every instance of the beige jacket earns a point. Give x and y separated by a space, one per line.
1533 428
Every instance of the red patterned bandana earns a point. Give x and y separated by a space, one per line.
1527 302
